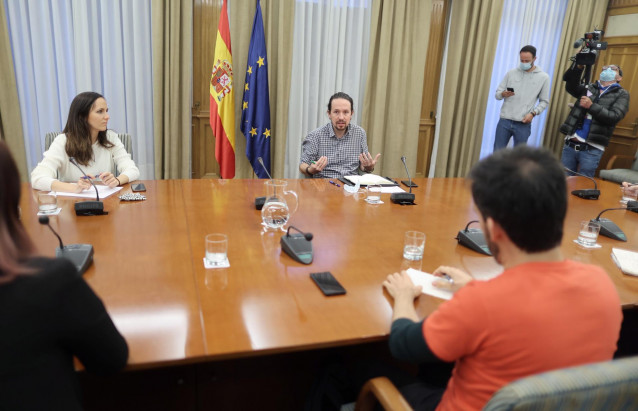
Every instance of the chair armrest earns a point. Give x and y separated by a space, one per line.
619 161
382 390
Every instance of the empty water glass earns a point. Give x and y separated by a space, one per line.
216 249
413 245
47 203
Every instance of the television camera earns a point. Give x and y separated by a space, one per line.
590 46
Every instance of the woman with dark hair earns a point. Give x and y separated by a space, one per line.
95 148
48 315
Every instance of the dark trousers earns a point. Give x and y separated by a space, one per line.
422 391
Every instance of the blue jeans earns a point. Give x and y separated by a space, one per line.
585 162
505 129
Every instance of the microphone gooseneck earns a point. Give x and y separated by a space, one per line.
407 172
44 220
261 161
404 198
468 224
583 175
608 209
97 194
307 236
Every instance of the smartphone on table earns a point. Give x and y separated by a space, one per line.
327 283
138 187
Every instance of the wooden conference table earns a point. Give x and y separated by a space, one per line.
148 263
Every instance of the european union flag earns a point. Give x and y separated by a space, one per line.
255 113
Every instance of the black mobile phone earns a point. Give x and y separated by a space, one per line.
327 283
510 89
407 183
138 187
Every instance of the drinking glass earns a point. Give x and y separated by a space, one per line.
588 233
413 245
373 194
216 249
47 202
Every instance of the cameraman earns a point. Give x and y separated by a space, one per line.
592 119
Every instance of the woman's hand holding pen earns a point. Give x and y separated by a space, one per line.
108 179
452 278
82 184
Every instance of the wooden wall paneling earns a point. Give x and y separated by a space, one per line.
205 20
622 50
616 4
436 46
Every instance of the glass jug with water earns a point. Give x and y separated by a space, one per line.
276 211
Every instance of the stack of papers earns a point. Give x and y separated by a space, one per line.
425 280
626 260
104 191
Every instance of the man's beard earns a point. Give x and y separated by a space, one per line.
492 246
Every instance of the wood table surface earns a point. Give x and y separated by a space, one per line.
148 265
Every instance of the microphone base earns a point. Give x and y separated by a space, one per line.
474 239
89 208
297 247
588 194
402 198
81 255
632 206
259 203
609 229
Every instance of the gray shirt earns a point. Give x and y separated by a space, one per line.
343 153
528 88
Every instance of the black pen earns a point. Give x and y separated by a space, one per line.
448 278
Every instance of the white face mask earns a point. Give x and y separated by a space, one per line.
608 75
525 66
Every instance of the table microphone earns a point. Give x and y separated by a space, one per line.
298 246
81 255
608 228
404 198
88 207
474 239
260 201
587 194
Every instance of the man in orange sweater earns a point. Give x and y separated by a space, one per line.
542 313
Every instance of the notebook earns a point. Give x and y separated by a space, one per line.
368 179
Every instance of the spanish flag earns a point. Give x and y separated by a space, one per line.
222 99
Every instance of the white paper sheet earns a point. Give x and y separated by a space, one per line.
626 260
104 191
392 189
425 280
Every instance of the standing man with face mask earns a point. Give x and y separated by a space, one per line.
593 118
520 89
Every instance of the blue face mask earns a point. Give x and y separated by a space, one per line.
608 75
525 66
